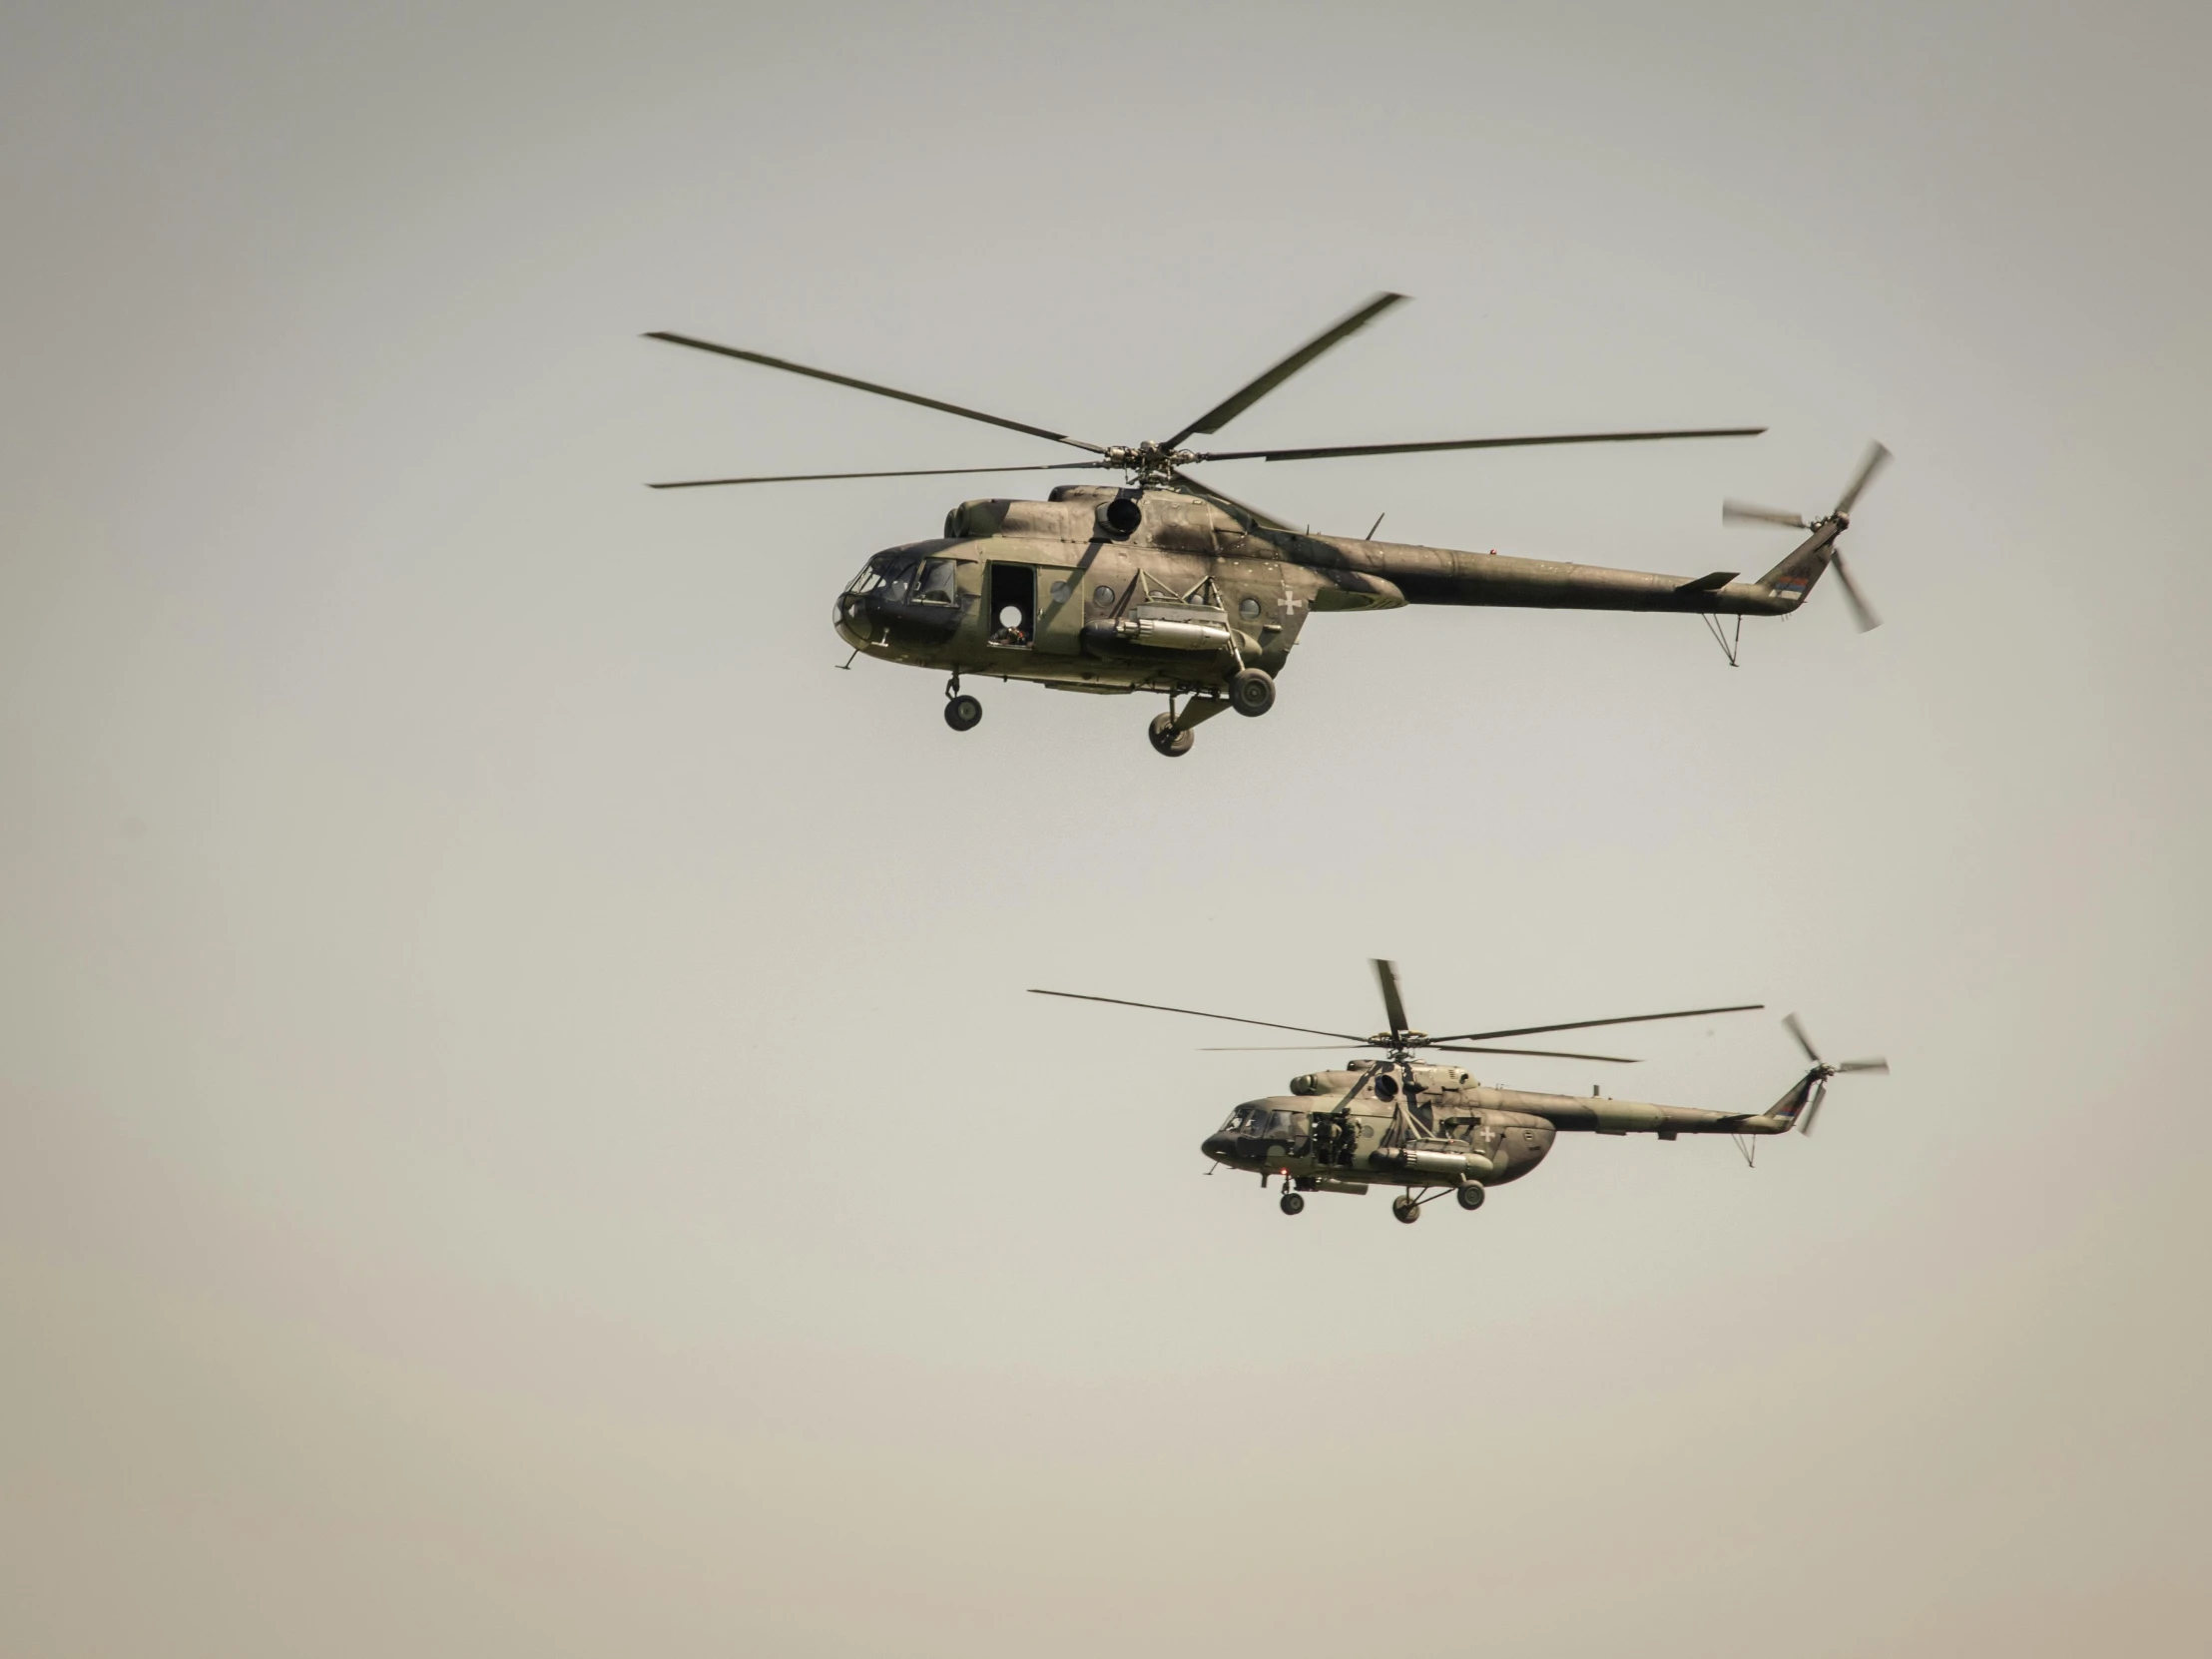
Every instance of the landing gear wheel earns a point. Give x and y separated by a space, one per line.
1165 738
1292 1203
1405 1209
1470 1196
1251 689
962 713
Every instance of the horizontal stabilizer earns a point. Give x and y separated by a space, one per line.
1711 582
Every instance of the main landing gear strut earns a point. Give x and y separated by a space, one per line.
1408 1206
1250 693
962 712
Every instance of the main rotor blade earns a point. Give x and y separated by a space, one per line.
1442 1048
1236 508
1222 413
1330 451
1585 1024
1877 457
1538 1053
1385 975
1861 612
1790 1023
1743 512
871 386
1881 1068
1200 1013
906 472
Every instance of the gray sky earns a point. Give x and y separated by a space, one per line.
524 1134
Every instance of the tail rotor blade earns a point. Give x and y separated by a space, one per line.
1743 512
1877 456
1880 1068
1803 1041
1812 1107
1861 610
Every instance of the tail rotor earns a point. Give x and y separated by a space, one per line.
1816 1080
1834 525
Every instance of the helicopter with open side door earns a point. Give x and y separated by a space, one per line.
1433 1129
1165 583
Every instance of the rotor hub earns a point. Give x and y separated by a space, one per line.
1148 459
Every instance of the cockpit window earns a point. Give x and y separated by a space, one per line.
894 573
1261 1120
902 576
939 583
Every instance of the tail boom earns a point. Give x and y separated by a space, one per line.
1447 576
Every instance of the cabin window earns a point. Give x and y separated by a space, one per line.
1102 595
1248 607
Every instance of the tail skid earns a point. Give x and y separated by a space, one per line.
1780 1117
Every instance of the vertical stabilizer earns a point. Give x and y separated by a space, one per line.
1794 577
1791 1105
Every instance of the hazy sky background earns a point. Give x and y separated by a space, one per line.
523 1130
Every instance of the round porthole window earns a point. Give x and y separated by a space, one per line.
1061 591
1103 595
1250 607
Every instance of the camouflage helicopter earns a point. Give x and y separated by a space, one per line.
1164 584
1432 1129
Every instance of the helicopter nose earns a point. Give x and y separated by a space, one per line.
1215 1146
851 617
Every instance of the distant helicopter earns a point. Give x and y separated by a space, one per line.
1165 583
1433 1129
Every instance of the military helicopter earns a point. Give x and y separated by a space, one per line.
1432 1129
1165 583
